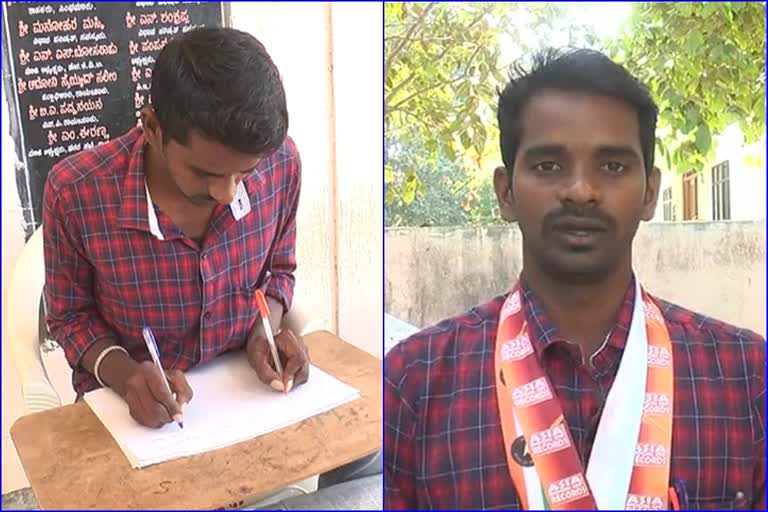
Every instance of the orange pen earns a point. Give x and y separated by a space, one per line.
261 303
673 499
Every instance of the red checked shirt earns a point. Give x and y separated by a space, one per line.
114 264
443 444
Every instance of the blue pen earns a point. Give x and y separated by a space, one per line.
149 339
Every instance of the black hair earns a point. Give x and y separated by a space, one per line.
573 70
222 83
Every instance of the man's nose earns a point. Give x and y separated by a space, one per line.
224 192
580 186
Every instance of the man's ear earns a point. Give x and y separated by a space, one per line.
151 126
653 185
502 183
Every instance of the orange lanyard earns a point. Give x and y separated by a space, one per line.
530 411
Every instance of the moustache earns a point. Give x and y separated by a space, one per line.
571 213
201 199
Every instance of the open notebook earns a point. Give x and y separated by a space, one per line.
230 405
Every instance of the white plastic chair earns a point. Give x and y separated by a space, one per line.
25 329
24 326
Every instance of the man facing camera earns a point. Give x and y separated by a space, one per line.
577 389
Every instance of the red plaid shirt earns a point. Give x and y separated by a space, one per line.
443 444
107 274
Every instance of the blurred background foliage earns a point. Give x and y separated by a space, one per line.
444 62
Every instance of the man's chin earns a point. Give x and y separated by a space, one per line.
579 269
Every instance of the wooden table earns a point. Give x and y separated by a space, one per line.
72 462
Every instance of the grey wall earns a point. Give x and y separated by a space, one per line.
715 268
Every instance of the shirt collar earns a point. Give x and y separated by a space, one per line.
543 333
154 224
133 193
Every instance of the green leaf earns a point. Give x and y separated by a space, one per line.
692 118
479 139
409 191
450 152
389 175
466 141
708 10
409 194
695 42
703 139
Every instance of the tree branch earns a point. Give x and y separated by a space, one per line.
442 54
410 77
439 84
410 115
397 88
406 38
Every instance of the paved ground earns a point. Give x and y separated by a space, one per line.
361 494
23 499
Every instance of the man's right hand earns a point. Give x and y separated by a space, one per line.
140 385
149 401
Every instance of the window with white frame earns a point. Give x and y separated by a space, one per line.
721 192
669 207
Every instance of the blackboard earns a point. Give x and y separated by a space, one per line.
77 73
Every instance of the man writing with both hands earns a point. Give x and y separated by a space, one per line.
175 225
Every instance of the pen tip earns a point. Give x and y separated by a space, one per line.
181 425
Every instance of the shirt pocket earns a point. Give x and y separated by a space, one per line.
242 268
738 502
244 315
246 263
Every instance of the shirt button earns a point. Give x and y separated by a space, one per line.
207 316
740 503
205 256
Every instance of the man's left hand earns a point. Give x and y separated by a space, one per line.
294 358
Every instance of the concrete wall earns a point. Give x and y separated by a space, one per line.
358 46
333 80
310 109
716 269
332 75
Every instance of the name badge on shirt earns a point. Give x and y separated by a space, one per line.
242 204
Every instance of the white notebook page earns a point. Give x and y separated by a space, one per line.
230 405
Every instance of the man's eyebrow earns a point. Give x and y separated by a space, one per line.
544 150
208 173
200 170
603 150
611 150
